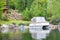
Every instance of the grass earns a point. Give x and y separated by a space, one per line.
14 21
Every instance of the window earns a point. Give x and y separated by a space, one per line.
45 28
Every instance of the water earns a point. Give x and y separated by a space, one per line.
41 35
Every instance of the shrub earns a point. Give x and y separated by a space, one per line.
55 21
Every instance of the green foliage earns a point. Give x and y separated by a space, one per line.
38 8
2 3
0 10
53 9
55 21
24 23
11 4
50 9
32 8
20 4
0 14
27 14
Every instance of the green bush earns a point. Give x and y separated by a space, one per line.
27 15
0 13
55 21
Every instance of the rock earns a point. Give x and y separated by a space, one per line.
4 28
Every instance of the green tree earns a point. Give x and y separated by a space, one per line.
50 9
53 9
2 3
11 4
38 8
22 4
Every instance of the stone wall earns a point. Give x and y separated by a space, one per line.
13 14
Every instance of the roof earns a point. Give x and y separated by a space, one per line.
38 19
